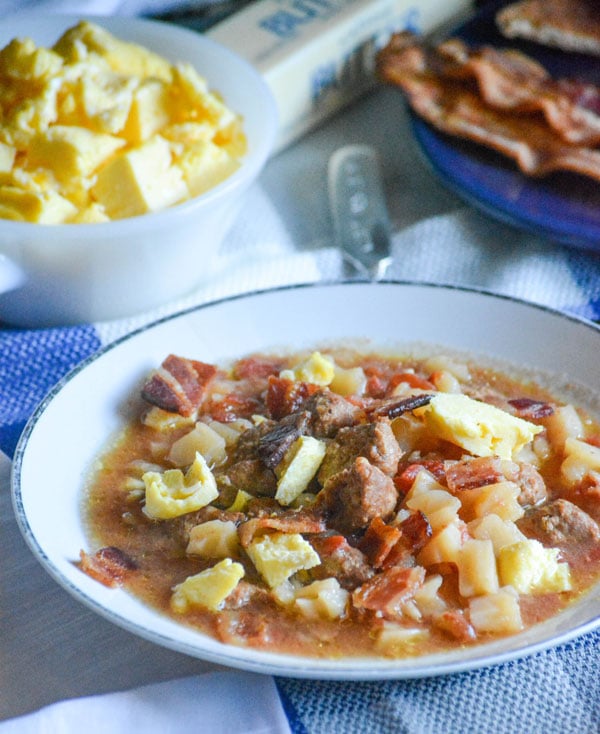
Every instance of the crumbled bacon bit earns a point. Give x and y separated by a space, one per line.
454 623
179 385
389 590
286 396
530 409
256 367
291 521
416 530
471 473
110 566
411 379
407 473
378 541
232 407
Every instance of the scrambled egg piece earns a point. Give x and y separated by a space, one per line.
298 466
481 429
208 588
280 555
87 116
530 568
171 493
318 369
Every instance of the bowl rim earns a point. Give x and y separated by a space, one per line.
251 164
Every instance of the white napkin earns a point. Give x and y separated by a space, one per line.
214 703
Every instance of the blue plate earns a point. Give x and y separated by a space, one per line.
563 207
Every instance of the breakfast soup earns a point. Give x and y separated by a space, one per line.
338 503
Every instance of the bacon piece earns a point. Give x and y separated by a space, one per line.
571 26
471 473
256 368
416 530
179 385
411 379
389 590
378 541
509 80
286 396
407 473
293 521
530 409
454 623
110 566
453 108
232 407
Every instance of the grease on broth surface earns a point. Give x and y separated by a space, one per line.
337 504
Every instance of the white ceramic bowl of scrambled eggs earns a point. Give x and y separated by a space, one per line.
102 261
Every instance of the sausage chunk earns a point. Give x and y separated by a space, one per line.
330 412
562 523
354 496
374 441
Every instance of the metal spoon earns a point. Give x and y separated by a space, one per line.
360 217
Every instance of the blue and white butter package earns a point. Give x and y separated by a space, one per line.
319 55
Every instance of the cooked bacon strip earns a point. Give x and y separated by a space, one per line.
530 409
453 108
286 396
179 385
293 521
572 25
388 591
109 565
509 80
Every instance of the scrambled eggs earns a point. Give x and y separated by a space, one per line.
96 128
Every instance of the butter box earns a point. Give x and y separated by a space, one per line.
318 55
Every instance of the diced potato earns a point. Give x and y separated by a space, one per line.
564 423
410 432
213 539
477 572
393 639
438 505
230 431
280 555
323 599
500 532
427 598
164 420
499 499
581 458
530 568
297 468
171 493
498 612
444 546
445 381
207 589
351 381
477 427
423 483
201 439
444 363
